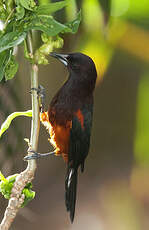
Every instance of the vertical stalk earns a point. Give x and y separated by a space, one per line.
35 125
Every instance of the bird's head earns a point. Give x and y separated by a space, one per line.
78 63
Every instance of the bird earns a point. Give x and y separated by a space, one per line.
69 120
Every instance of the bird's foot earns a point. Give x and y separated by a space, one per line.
36 155
41 97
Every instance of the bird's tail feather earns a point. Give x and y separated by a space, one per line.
70 191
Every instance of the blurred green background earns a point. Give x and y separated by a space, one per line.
113 192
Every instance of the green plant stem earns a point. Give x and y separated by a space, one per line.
35 125
35 115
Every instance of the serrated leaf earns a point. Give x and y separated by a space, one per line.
51 7
11 39
27 4
11 68
9 119
4 57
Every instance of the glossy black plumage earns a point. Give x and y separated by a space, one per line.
71 111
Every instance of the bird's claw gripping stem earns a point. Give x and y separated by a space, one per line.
41 97
36 155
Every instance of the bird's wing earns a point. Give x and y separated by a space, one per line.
78 150
79 137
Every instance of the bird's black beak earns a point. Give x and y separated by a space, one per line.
60 57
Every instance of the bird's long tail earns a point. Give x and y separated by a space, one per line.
70 191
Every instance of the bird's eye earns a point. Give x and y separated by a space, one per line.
74 65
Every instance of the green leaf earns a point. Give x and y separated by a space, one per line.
2 178
27 4
4 57
6 185
11 68
29 195
50 26
11 39
20 12
51 7
9 119
72 27
46 24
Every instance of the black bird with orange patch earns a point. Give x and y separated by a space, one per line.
69 119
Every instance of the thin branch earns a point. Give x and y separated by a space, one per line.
17 198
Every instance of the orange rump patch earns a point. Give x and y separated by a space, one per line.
80 118
59 135
62 135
